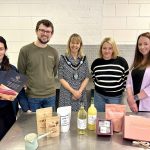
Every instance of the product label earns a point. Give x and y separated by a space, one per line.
82 123
104 126
65 120
104 123
103 129
91 119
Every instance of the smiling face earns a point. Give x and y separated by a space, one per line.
144 45
75 46
2 51
107 51
44 34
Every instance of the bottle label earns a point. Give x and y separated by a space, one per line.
82 124
91 119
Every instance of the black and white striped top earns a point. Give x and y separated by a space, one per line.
109 76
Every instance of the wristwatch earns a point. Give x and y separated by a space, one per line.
136 98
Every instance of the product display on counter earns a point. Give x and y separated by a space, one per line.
23 133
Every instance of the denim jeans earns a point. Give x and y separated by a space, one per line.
100 101
36 103
23 100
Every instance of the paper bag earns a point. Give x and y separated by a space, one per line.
53 126
116 113
41 115
137 128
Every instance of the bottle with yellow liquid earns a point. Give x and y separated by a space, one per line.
92 115
82 120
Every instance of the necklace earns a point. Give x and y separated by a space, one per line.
74 67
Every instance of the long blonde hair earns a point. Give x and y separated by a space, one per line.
114 46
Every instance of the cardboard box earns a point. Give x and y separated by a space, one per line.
137 128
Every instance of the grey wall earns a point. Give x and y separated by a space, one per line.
91 51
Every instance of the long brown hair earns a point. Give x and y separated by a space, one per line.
5 65
138 57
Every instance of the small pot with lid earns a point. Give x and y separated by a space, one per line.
31 140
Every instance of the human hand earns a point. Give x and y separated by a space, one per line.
74 98
132 104
76 94
133 107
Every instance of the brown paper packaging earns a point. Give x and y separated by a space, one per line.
53 126
41 115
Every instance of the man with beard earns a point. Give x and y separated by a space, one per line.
39 62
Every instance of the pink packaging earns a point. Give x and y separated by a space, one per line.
137 128
116 113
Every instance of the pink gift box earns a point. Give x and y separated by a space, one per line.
137 128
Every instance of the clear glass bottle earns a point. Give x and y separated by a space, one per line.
82 120
92 115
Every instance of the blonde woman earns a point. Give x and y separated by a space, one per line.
73 74
109 73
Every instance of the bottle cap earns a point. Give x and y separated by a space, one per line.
92 100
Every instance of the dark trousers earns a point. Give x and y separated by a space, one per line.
7 119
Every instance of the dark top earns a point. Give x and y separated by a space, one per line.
137 78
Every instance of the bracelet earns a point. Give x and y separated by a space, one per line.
136 98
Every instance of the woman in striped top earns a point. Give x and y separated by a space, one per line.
109 73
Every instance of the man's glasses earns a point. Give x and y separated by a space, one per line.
44 31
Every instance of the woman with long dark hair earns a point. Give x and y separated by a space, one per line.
138 82
8 105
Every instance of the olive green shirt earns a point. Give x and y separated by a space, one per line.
40 66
